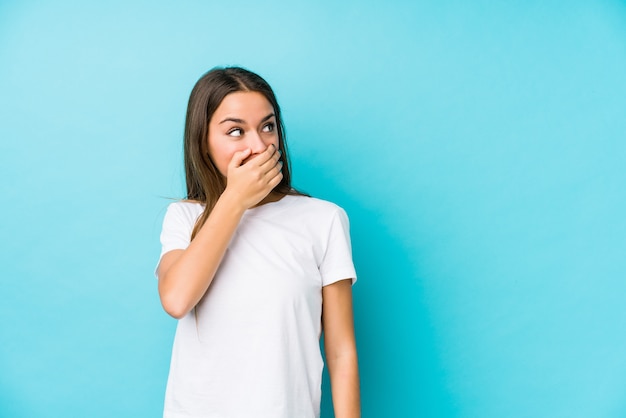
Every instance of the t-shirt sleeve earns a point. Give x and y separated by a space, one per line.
178 224
337 261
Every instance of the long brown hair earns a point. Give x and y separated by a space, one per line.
205 184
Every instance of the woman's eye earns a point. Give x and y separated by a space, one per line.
235 132
269 127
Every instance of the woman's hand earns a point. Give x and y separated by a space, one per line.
249 182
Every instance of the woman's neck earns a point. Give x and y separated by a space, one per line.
272 197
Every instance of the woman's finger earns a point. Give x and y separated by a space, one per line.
238 158
271 162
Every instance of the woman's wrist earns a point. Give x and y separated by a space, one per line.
232 202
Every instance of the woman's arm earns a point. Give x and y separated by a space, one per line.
185 275
340 348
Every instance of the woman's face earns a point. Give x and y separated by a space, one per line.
243 120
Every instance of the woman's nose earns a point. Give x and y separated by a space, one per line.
256 144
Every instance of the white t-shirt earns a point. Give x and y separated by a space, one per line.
250 348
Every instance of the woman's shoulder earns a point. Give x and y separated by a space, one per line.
315 204
185 203
187 208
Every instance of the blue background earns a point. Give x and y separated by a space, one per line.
478 148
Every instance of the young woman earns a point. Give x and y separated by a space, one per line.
252 269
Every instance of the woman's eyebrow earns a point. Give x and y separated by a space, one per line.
232 120
271 115
236 120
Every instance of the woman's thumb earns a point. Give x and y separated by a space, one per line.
238 158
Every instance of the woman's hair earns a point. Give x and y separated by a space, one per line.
205 183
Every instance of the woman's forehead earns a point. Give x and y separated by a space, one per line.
242 103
